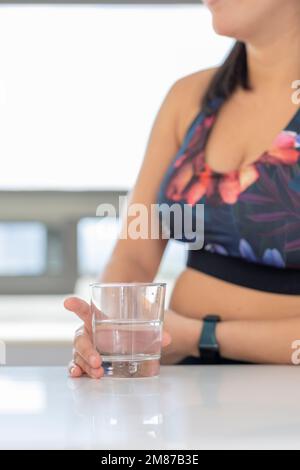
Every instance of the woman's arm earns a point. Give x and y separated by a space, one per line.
261 342
138 259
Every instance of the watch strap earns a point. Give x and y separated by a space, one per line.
208 345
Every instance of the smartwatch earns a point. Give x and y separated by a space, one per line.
208 346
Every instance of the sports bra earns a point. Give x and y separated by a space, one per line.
251 215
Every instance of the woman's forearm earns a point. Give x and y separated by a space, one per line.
263 342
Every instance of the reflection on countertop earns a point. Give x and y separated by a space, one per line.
187 407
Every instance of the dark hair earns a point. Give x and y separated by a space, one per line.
232 74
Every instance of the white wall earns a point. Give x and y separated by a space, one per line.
81 85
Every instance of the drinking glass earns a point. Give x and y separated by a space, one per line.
127 324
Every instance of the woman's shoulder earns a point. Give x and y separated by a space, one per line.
199 78
190 90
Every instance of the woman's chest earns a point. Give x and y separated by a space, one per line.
251 213
244 130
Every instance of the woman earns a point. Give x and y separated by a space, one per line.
227 138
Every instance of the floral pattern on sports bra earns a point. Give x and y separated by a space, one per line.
253 212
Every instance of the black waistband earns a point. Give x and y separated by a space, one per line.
246 274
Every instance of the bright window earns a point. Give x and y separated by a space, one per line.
80 86
96 238
23 249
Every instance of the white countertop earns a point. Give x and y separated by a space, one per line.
187 407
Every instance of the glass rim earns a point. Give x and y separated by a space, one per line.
126 284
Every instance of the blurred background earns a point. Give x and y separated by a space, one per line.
80 86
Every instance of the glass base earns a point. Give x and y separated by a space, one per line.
131 369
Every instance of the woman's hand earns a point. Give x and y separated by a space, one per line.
86 360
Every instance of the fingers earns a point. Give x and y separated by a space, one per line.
80 308
84 347
86 358
95 373
74 370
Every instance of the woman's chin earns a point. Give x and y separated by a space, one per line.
228 30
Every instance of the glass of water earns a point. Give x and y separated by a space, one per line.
127 327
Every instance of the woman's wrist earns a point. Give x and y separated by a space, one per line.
185 333
196 327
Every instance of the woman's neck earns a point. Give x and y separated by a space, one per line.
274 62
